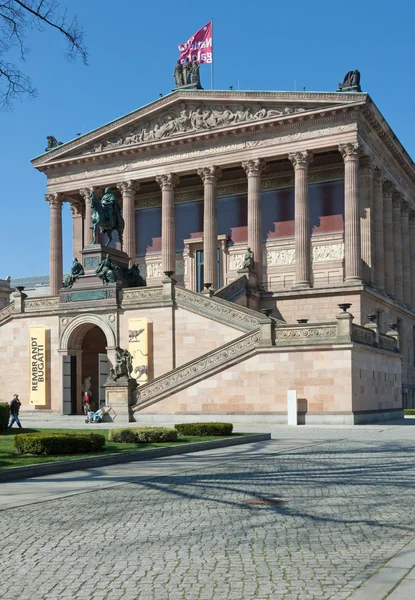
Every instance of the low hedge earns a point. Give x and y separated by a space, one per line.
142 435
201 429
409 411
4 416
58 443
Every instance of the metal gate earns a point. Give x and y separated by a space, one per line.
103 372
69 385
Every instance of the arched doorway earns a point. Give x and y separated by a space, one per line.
85 342
94 364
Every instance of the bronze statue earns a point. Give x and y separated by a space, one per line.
351 82
76 270
52 143
195 73
134 278
186 70
107 271
106 214
123 365
178 74
249 260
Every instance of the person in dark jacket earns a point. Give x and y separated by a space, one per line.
15 405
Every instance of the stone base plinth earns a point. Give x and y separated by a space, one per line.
120 396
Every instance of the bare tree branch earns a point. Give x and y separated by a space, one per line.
16 17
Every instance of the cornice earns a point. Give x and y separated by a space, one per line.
270 125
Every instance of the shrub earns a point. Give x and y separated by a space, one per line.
4 416
201 429
58 443
122 436
409 411
142 435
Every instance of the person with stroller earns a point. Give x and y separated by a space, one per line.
15 405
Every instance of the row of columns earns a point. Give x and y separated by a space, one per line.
377 232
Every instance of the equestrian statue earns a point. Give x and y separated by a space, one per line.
106 214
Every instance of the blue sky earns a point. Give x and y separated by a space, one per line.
268 45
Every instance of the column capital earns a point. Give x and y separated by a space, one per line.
387 187
77 208
377 174
396 199
300 160
350 151
209 174
55 200
366 163
168 181
128 186
412 216
253 167
405 208
85 192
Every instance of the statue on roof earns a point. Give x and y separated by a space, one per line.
351 82
178 74
52 143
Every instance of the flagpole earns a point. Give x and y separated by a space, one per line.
211 64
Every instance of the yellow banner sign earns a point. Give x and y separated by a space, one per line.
37 365
138 348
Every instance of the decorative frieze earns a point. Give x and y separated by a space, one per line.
322 252
143 295
154 270
37 304
280 258
288 335
236 261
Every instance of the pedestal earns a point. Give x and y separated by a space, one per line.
120 396
89 287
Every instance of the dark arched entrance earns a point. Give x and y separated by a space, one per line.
85 344
93 356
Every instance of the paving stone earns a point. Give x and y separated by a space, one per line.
348 508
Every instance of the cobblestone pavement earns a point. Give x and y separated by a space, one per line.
346 506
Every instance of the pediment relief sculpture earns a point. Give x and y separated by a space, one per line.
191 120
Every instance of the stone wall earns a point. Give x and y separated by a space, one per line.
377 380
259 384
314 307
178 335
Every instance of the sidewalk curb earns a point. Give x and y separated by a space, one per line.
53 468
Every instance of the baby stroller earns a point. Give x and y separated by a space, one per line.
96 417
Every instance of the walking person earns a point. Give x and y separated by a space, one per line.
15 405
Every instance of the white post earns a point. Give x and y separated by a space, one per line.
292 407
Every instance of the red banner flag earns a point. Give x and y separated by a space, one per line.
198 46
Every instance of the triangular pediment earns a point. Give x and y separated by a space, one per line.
191 114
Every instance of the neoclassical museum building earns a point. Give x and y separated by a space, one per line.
320 190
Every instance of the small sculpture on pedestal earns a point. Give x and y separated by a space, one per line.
123 365
178 74
76 270
107 271
249 262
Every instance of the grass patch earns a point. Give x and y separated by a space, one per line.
9 458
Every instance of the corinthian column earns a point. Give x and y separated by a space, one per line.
167 184
412 255
300 161
379 261
397 244
350 153
253 169
128 190
366 219
55 261
388 239
406 265
210 176
77 211
87 216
